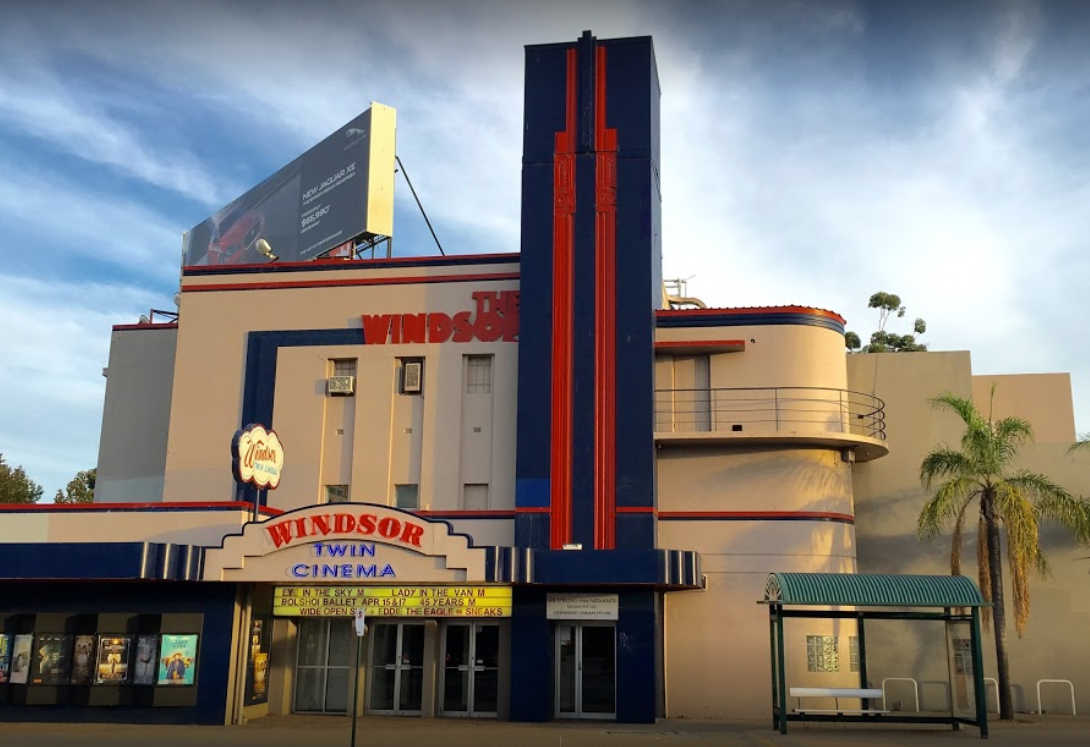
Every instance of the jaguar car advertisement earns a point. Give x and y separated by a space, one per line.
338 190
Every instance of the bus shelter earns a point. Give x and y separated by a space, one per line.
950 600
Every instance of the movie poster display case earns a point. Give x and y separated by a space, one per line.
99 660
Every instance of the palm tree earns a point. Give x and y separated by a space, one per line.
1012 499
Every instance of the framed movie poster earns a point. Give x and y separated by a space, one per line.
144 665
5 657
112 666
177 660
20 658
257 674
52 659
83 659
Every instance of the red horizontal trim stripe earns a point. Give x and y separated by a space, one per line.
744 310
635 509
136 506
757 515
466 514
270 285
533 510
356 264
156 325
682 344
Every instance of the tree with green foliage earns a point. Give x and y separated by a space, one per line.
80 489
15 486
881 341
1011 501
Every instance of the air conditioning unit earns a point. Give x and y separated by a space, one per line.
412 377
340 386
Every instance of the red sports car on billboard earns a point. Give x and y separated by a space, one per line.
234 238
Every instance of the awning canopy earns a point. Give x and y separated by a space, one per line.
871 590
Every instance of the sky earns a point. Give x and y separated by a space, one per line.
812 153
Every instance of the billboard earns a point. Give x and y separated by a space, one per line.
339 189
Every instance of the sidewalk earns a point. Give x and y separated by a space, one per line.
330 731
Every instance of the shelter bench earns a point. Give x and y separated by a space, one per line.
836 693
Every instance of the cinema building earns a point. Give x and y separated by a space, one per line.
555 495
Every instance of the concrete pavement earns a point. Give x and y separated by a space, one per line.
331 731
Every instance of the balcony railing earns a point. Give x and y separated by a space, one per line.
770 410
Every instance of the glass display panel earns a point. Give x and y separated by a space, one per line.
83 659
146 660
5 657
52 659
112 666
599 675
257 674
178 660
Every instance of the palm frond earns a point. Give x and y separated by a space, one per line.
943 462
1081 444
1023 545
1053 502
955 540
944 505
1019 565
963 406
1010 433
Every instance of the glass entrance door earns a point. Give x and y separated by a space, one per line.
586 671
397 668
325 660
470 669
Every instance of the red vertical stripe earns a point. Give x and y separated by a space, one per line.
563 240
605 312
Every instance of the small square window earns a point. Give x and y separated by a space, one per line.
407 496
344 366
822 653
475 496
336 494
478 374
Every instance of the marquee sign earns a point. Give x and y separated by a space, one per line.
392 601
257 456
496 317
347 543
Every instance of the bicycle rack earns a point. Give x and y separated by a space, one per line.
994 682
915 690
1046 681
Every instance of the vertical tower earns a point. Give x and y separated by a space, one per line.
590 283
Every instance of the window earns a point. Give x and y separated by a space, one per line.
822 653
475 496
407 496
478 374
336 494
344 366
411 375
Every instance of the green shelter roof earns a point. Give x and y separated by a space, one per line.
872 590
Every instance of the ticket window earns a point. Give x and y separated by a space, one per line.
586 671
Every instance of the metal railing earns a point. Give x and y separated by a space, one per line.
770 410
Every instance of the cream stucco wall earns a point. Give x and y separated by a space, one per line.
385 448
889 497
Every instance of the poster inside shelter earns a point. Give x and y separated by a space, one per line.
83 659
20 658
144 665
52 659
177 660
113 660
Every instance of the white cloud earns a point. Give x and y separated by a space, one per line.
56 338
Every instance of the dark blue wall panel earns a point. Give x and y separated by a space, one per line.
214 600
636 675
531 657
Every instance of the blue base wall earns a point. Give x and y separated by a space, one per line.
215 601
533 669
